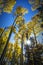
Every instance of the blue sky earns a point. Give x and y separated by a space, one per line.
7 19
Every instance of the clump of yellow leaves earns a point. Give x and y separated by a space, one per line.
17 49
21 10
9 51
9 6
19 20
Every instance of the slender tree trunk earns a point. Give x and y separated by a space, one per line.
13 59
2 33
35 37
4 51
21 63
